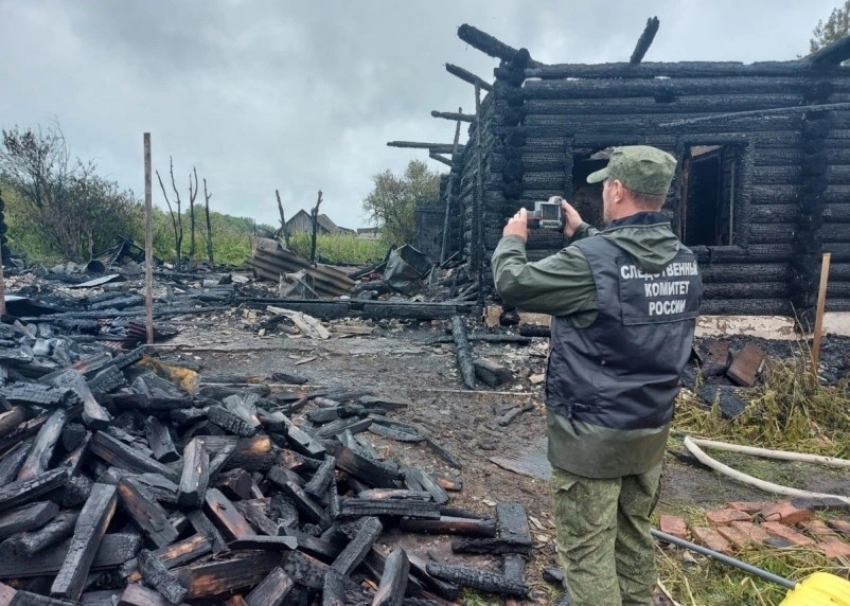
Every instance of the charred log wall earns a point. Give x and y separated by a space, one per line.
793 173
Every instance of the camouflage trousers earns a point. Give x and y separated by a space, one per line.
603 539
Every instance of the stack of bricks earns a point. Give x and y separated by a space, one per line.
743 525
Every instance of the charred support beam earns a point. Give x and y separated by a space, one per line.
224 576
155 574
58 529
457 117
195 477
451 194
394 580
441 159
488 44
147 513
42 449
468 76
645 41
436 148
272 591
356 550
88 534
830 56
464 352
479 579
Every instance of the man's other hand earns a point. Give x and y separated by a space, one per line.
517 225
573 218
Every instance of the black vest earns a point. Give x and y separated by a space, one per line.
622 372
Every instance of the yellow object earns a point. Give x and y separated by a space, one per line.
819 589
183 377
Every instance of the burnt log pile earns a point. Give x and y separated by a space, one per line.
118 486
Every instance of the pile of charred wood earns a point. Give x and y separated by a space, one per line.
117 486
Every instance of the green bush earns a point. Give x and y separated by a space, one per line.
345 249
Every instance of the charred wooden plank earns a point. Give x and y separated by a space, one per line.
159 439
218 461
74 459
172 556
300 441
108 379
272 591
264 543
369 471
235 484
513 567
23 431
157 576
10 419
195 477
369 531
229 519
476 578
36 394
224 576
464 352
94 415
88 534
104 597
312 511
230 422
340 425
12 461
380 494
321 480
255 511
29 543
423 481
513 534
126 457
19 493
147 513
413 508
308 571
251 454
439 587
333 590
448 525
27 598
115 549
202 524
443 453
325 549
491 373
394 580
136 595
27 517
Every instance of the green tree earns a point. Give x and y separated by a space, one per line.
836 27
63 203
392 202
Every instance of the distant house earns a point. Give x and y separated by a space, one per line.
302 223
368 233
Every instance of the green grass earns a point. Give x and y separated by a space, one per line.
339 248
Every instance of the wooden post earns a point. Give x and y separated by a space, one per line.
824 279
478 226
148 243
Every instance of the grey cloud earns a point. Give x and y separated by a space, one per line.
300 96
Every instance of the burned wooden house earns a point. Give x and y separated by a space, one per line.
762 188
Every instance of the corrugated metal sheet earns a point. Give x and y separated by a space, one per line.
270 261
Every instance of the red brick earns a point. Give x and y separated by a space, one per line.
785 512
840 526
755 533
674 525
722 517
738 539
708 537
746 365
777 529
817 528
834 548
750 507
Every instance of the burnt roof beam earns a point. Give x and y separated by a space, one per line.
468 76
434 148
454 117
441 159
489 44
684 69
830 56
645 41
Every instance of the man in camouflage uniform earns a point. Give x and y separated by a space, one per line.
624 303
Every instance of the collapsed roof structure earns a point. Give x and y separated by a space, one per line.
763 176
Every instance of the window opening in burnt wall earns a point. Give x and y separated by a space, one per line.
587 197
710 185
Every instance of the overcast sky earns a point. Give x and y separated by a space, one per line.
302 96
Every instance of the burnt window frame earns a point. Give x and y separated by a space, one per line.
742 192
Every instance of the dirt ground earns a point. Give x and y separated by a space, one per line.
401 362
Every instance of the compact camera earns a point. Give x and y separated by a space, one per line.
547 215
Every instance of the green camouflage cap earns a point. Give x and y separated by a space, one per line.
640 168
